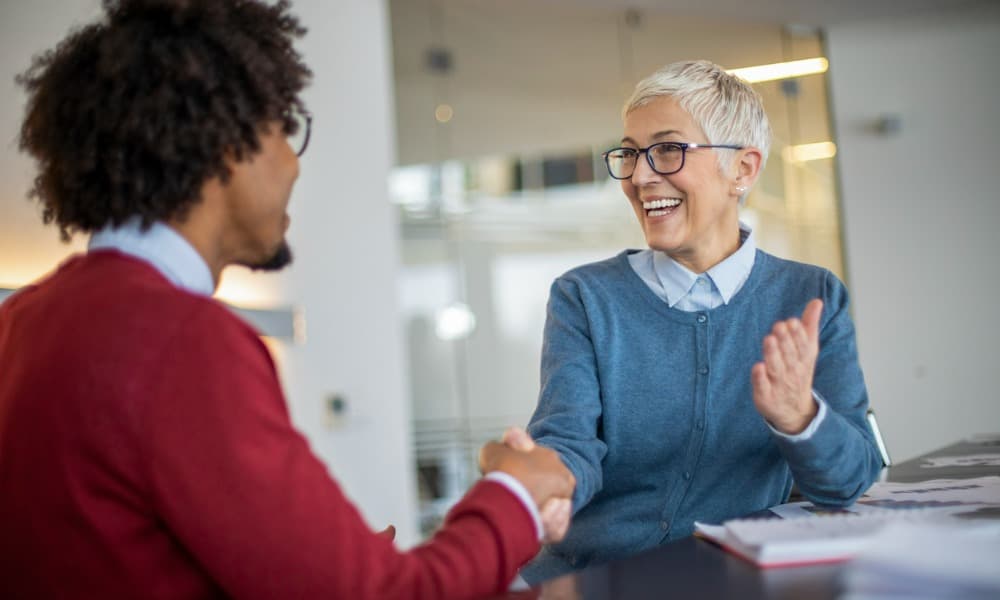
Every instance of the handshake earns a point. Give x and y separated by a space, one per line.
540 471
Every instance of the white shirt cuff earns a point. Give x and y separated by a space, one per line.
518 489
809 431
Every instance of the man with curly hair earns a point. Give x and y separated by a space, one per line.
145 445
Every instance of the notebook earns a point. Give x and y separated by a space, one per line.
794 542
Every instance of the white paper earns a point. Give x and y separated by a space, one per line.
935 493
952 496
926 560
799 510
968 460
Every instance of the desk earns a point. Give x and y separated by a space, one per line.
694 568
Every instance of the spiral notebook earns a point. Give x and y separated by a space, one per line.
793 542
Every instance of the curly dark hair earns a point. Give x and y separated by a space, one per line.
131 115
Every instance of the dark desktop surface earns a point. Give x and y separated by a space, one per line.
695 568
914 470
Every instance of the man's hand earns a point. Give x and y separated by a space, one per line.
782 382
540 471
556 512
388 533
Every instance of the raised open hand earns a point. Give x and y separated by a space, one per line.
782 382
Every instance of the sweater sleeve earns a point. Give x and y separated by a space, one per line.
243 494
567 418
840 460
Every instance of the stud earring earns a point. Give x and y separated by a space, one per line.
741 189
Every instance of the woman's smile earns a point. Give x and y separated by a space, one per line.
660 207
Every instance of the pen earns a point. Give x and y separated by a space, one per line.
873 424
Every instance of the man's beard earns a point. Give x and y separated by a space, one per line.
281 258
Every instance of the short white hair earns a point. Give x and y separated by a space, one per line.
726 107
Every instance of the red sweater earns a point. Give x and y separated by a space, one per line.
146 452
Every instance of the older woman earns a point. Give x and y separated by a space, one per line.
697 379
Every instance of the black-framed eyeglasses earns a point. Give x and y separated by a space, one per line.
666 158
298 127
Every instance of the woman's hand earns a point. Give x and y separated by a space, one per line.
782 382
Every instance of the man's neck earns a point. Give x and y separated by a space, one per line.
202 226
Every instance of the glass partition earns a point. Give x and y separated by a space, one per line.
493 208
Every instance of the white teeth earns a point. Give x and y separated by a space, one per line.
664 203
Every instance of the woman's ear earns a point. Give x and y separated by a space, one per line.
748 163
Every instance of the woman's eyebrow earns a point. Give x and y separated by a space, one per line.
656 136
665 133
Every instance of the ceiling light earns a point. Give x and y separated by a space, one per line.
454 322
443 113
807 152
784 70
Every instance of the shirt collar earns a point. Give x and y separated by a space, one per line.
728 276
163 248
675 278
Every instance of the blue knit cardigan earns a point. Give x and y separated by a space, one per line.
652 410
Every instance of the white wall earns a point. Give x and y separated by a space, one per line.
343 232
920 212
26 248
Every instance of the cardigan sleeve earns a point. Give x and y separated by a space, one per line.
567 418
243 494
840 460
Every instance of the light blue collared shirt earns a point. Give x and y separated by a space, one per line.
685 290
163 248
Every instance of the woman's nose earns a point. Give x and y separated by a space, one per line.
643 172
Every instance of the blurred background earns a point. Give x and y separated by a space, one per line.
455 171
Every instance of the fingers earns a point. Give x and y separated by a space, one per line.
555 514
788 340
799 336
782 381
774 353
793 344
490 456
518 439
789 358
388 533
810 319
492 452
561 588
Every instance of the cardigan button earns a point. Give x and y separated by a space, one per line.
703 370
702 318
664 525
